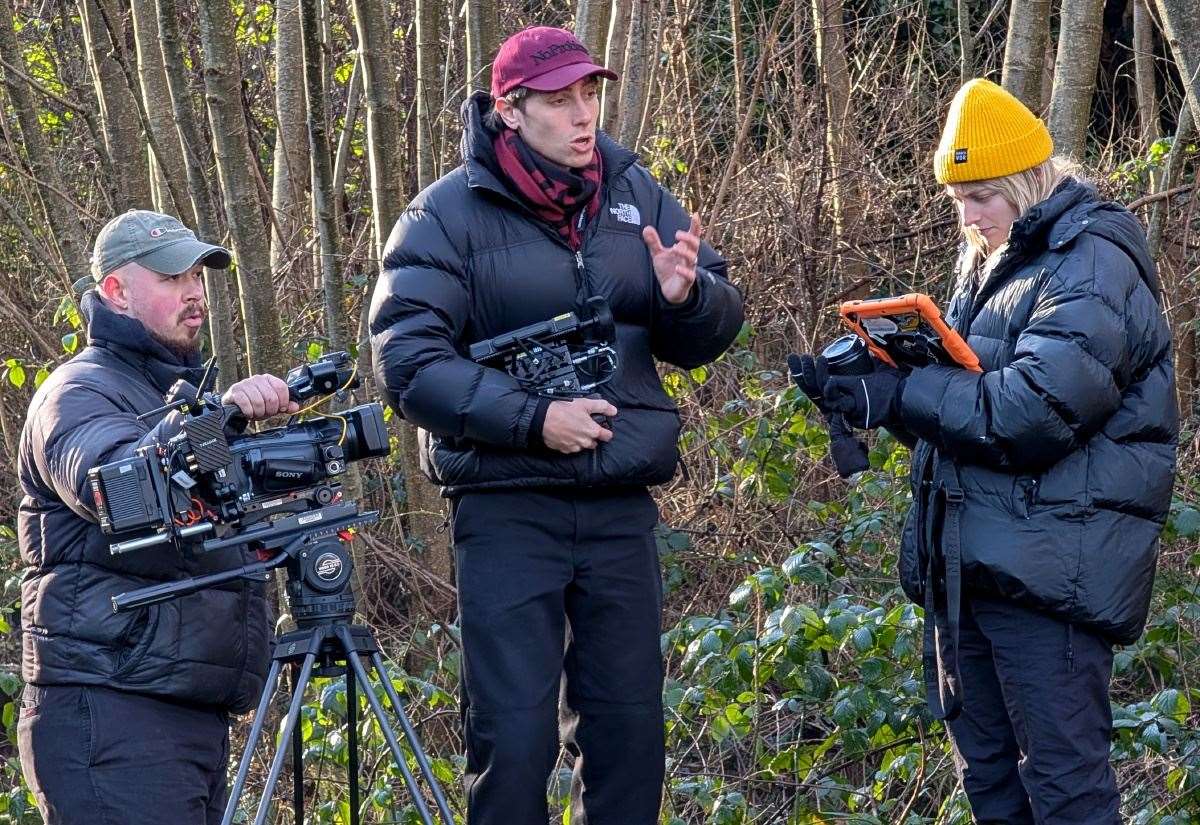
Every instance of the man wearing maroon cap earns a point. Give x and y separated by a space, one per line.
558 575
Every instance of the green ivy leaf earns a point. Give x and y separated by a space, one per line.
1187 522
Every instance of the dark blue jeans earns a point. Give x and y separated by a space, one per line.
106 757
560 591
1033 738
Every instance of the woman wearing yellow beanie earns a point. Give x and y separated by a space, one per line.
1040 486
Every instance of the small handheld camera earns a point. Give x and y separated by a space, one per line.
568 356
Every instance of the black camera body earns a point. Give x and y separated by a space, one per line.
567 356
211 479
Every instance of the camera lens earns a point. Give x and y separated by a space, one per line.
848 355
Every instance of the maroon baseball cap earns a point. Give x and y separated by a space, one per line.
544 59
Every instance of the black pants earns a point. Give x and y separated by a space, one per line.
1033 738
105 757
560 590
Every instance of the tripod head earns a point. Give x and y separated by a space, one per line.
312 547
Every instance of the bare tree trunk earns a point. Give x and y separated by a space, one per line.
739 78
618 33
840 136
633 81
123 134
1147 87
60 215
1184 130
1025 51
243 210
1081 24
591 25
341 159
387 200
483 38
428 15
221 335
156 96
290 178
383 117
1181 25
322 173
966 43
155 134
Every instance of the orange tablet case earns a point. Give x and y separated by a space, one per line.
914 316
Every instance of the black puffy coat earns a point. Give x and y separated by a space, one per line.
1065 445
209 648
468 261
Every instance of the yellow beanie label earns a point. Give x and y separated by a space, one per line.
989 134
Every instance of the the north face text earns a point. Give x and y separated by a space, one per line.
557 49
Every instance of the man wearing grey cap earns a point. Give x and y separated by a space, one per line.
125 716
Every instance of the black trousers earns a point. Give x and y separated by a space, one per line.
560 591
106 757
1033 738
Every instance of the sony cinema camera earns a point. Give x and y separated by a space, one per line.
212 486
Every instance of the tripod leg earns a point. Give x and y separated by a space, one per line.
385 726
260 715
413 741
352 742
298 772
289 724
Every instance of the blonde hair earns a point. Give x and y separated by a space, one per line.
1023 190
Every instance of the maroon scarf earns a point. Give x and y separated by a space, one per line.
555 193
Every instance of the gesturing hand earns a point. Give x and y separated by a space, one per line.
675 265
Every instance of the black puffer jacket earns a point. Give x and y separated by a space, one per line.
210 648
1065 445
467 261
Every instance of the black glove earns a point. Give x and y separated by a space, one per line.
810 374
867 401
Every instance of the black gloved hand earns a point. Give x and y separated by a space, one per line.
848 453
810 374
867 401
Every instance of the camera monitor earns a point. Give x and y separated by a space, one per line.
908 331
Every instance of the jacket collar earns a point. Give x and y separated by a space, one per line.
479 159
128 339
1075 207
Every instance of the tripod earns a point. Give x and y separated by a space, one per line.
325 643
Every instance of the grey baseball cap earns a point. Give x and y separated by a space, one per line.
156 241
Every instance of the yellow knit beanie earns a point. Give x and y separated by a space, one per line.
989 134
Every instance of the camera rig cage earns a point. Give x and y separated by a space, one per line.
567 356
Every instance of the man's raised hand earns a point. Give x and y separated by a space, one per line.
675 265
